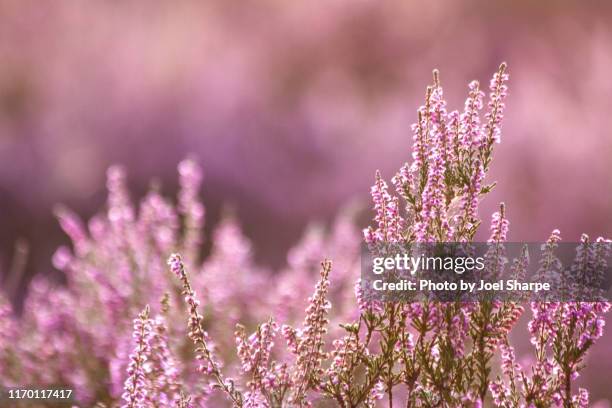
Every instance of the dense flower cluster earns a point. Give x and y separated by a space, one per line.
135 387
126 262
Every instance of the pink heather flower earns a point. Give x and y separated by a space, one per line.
390 222
345 356
495 257
61 258
183 401
363 299
204 352
433 214
8 332
362 304
550 265
509 365
588 317
469 128
158 220
440 127
135 387
223 280
451 154
437 106
419 147
120 211
569 328
190 207
162 367
583 268
309 339
254 353
253 400
341 243
541 325
73 227
471 194
588 271
290 336
520 265
377 392
433 223
499 91
278 378
499 225
176 266
403 181
499 393
456 330
601 253
454 143
582 399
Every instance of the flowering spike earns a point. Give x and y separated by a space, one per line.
499 225
390 222
310 341
469 130
135 387
192 210
494 116
199 336
72 226
120 211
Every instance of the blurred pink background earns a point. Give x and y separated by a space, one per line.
290 107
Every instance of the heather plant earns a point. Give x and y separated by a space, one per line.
81 331
216 333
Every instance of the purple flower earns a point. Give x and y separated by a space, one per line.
390 222
135 389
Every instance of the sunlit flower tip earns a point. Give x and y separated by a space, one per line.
61 258
190 171
499 225
134 389
175 262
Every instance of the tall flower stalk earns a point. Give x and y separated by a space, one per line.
208 362
135 388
